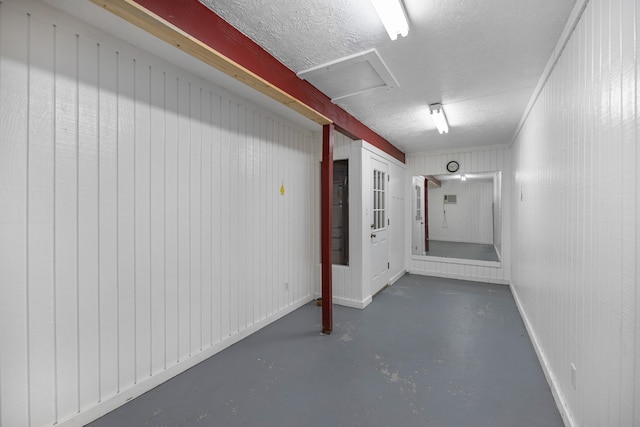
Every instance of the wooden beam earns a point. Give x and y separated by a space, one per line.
326 232
194 28
145 18
432 180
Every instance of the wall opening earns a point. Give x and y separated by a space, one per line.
340 234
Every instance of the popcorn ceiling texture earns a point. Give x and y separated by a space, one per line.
481 60
303 34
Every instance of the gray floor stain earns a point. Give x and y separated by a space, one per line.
347 335
398 292
414 357
449 293
486 311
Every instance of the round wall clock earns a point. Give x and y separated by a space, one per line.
453 166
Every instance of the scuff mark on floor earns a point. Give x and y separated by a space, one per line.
486 311
468 396
394 377
347 335
397 292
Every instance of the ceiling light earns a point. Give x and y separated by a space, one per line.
437 114
463 177
392 16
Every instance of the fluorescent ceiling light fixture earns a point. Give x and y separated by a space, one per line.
463 177
392 16
439 118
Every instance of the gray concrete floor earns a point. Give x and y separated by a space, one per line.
463 250
426 352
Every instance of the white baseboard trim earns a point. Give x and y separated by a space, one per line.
348 302
115 401
561 402
351 303
460 277
397 277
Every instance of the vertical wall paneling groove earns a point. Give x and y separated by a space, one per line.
39 286
27 215
13 181
87 223
142 227
575 219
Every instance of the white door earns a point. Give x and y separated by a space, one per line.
417 235
379 221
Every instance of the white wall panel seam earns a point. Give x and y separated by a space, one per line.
26 224
77 215
54 221
98 219
1 92
2 11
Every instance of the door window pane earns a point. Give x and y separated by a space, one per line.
379 197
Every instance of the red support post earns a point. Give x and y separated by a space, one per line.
426 214
326 228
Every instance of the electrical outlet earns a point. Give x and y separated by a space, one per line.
286 286
573 376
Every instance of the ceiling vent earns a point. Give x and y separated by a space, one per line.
350 75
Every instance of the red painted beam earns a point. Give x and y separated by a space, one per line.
326 210
201 23
433 180
426 213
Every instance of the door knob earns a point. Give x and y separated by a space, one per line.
373 235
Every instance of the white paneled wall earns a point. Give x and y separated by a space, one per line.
473 160
575 219
351 283
142 227
497 213
470 219
398 217
346 279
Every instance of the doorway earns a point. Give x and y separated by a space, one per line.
379 222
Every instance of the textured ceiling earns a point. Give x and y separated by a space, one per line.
480 59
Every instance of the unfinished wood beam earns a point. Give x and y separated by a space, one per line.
195 29
433 181
147 20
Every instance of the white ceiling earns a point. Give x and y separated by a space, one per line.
480 59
